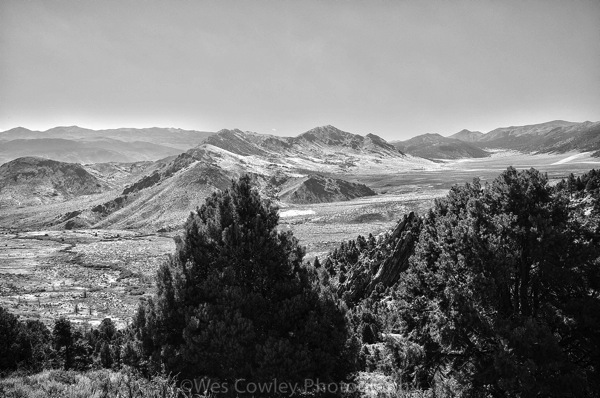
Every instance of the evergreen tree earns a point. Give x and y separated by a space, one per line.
105 356
23 344
107 330
63 340
236 301
37 339
503 292
316 263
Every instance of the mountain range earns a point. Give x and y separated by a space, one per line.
79 145
317 166
555 136
323 164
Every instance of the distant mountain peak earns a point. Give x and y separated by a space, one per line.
467 135
18 129
225 131
74 126
328 134
326 127
467 131
68 129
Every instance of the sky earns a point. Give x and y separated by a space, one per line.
393 68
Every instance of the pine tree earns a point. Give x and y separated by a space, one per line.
236 300
23 344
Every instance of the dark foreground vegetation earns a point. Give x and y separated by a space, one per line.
493 293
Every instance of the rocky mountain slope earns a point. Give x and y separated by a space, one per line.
323 149
32 181
80 145
434 146
317 141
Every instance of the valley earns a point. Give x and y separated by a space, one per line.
88 274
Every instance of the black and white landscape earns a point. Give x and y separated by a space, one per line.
337 242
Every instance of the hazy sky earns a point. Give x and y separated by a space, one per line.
393 68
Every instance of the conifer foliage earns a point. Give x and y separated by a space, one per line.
236 301
502 293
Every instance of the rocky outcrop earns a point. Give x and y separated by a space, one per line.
403 241
384 264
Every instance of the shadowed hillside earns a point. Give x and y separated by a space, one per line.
30 181
319 189
434 146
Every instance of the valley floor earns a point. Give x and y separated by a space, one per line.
86 275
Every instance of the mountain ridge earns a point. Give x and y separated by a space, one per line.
554 136
81 145
316 142
436 146
305 169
